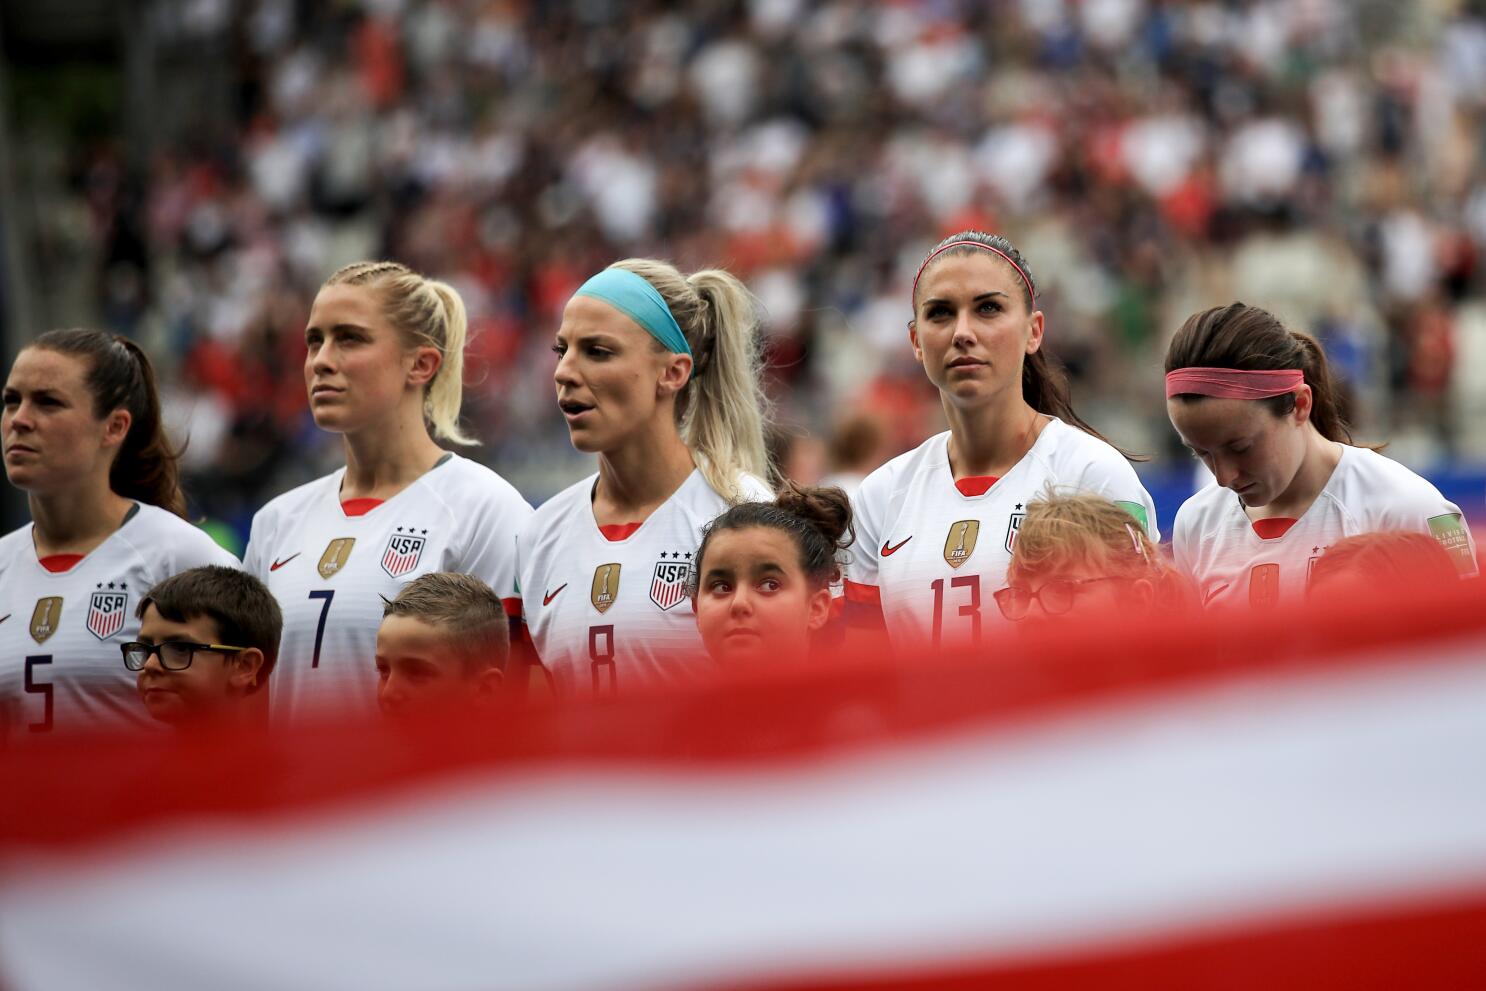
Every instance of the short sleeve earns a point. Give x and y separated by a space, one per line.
862 558
1422 509
1114 479
257 539
490 545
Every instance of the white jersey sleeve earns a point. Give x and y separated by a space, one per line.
932 552
609 612
60 664
330 572
1236 562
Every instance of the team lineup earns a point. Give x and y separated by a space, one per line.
414 572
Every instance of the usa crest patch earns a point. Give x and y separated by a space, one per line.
402 553
107 611
668 585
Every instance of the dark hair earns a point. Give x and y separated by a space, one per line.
242 607
1248 338
120 377
463 608
818 519
1044 380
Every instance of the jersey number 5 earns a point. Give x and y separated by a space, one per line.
44 689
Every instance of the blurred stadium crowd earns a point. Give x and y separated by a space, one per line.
1325 159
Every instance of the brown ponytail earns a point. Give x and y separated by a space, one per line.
1044 379
1248 338
120 377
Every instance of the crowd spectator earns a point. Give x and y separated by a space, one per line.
1320 158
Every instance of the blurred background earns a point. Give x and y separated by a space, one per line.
188 172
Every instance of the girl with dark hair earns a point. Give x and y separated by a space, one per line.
762 583
936 526
1255 402
82 437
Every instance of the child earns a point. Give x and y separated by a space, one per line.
444 639
208 639
1084 555
764 572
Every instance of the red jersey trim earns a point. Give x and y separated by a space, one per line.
867 595
58 563
620 531
1273 529
513 607
974 485
360 507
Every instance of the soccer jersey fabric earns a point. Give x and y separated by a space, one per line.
60 663
606 615
932 556
331 570
1218 546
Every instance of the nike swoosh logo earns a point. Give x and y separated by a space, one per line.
547 599
279 564
890 551
1214 593
5 617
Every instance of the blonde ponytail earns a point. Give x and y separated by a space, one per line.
426 313
722 409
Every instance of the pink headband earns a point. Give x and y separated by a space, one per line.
974 244
1233 383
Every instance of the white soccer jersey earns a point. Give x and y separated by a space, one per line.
1216 544
60 664
609 614
330 571
932 556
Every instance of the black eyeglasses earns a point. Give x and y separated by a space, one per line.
1056 597
175 655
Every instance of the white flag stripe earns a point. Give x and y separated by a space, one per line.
1232 804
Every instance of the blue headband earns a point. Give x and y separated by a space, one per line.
637 299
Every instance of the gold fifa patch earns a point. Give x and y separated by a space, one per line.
605 586
46 617
960 543
335 557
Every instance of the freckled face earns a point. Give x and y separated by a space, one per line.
755 604
971 329
356 366
612 378
1243 443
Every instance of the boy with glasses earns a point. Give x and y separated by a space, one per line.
208 639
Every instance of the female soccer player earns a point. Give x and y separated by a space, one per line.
764 572
382 369
657 374
1256 404
82 437
1082 556
936 526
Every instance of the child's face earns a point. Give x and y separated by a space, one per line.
214 679
754 603
418 668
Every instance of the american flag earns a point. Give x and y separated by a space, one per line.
1214 803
